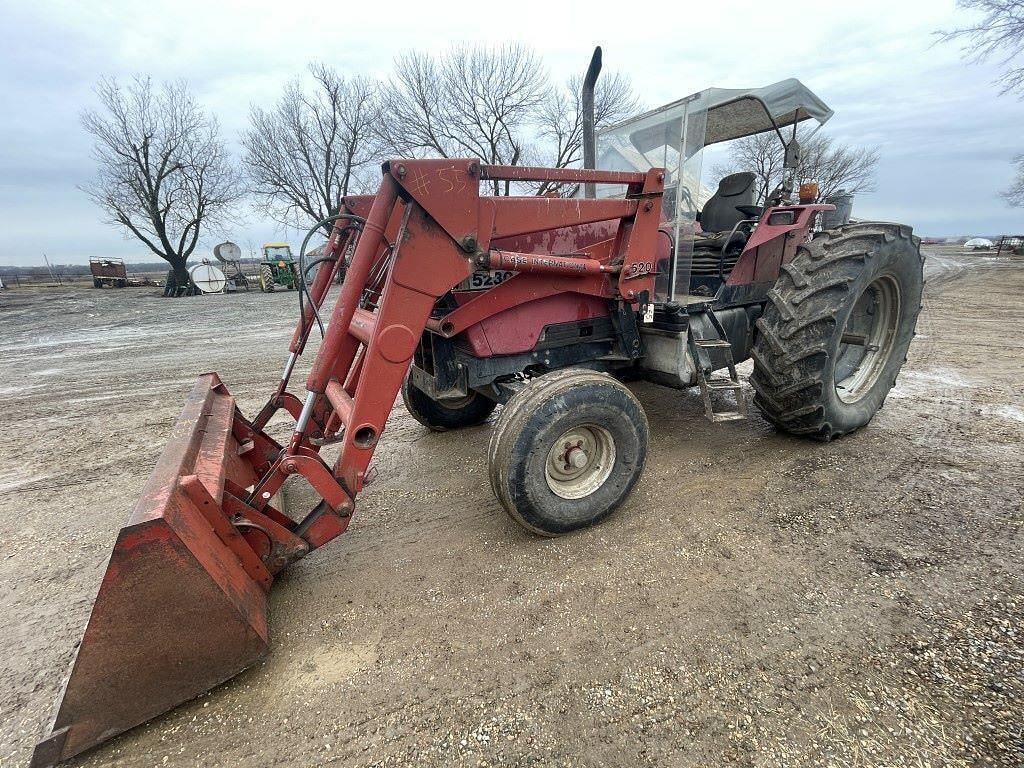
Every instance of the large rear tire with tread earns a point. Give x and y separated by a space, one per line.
266 279
442 415
567 450
836 329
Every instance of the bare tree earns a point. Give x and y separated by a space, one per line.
470 101
1014 195
163 172
998 34
837 166
559 121
496 104
311 149
833 166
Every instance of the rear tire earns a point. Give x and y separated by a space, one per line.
266 279
442 415
567 451
862 283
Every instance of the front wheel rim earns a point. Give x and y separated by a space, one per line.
580 461
868 339
456 403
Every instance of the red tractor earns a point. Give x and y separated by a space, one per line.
464 303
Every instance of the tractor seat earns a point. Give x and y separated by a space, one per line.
724 210
716 240
731 204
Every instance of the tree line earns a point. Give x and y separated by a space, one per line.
164 173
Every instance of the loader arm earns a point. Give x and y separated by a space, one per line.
182 606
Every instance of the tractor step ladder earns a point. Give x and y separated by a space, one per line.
713 351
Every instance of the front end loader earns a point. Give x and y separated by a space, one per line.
463 303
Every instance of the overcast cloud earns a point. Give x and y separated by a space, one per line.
946 138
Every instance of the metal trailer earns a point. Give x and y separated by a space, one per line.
108 273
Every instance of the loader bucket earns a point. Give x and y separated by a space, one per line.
177 613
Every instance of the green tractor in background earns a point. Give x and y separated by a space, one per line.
278 268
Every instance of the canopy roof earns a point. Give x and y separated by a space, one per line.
731 113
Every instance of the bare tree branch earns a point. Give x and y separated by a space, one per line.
999 34
1014 195
312 148
559 120
471 101
495 104
833 166
162 170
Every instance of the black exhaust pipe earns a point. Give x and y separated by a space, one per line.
589 140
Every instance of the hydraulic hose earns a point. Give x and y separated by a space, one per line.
358 221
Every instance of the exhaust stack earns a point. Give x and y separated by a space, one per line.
589 140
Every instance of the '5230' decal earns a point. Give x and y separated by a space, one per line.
481 281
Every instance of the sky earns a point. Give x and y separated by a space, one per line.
946 137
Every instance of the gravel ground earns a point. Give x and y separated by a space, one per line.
759 601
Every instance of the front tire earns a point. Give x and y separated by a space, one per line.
442 415
567 451
836 329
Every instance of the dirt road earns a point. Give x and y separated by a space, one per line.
760 600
